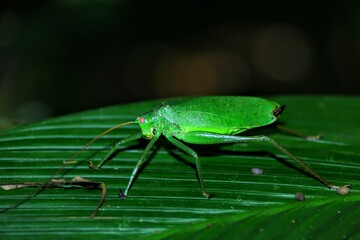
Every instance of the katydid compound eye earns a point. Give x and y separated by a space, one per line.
142 120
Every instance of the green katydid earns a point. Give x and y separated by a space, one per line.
205 120
200 120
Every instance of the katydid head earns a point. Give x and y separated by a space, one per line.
146 123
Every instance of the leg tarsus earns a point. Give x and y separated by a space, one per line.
313 137
299 134
122 195
208 195
343 190
92 165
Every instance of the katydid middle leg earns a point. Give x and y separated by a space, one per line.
192 153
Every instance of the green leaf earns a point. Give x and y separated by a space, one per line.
165 200
286 221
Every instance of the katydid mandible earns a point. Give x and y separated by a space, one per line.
205 120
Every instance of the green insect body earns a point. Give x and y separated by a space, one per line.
206 120
221 115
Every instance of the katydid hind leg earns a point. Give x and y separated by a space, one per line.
296 133
113 149
202 137
193 154
138 165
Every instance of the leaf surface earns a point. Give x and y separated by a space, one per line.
165 200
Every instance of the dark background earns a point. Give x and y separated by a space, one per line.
63 56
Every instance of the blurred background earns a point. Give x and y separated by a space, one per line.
63 56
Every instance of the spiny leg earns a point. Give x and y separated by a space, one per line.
138 165
197 162
114 148
213 138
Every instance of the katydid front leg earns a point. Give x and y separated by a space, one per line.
113 149
139 162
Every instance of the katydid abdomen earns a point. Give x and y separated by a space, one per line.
221 114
